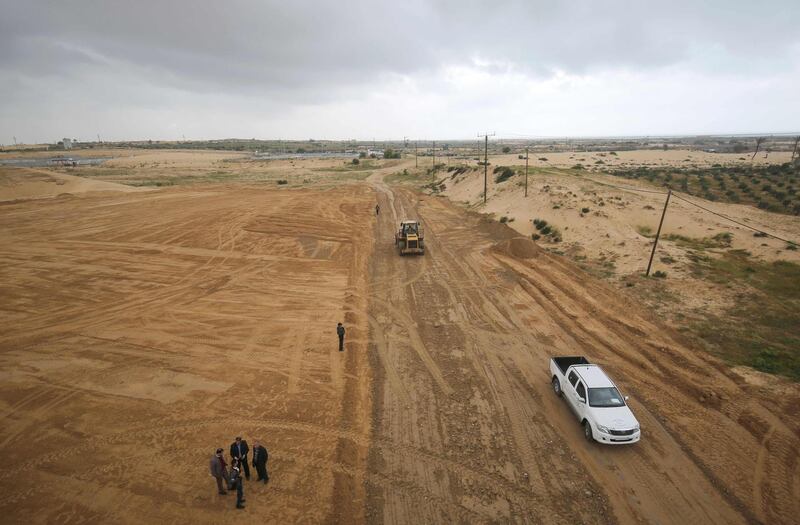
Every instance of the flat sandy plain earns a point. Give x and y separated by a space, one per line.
143 329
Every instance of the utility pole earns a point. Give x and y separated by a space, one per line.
416 158
434 153
658 233
526 171
485 162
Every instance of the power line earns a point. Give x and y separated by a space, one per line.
625 188
677 196
735 221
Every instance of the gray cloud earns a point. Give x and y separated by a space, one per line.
309 53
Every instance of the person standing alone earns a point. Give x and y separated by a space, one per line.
340 333
239 450
260 457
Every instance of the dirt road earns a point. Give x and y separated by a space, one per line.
468 429
142 330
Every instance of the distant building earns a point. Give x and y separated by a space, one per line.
67 143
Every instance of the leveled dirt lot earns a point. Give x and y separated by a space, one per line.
142 330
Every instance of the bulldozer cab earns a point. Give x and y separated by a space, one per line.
409 227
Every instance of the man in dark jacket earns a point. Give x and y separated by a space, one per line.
218 470
340 332
260 457
236 483
239 450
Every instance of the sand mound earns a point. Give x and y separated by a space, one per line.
28 183
518 247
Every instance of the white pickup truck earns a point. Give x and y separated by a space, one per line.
595 399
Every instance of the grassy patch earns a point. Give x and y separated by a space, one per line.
363 165
720 240
762 330
406 177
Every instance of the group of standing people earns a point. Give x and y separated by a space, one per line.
232 479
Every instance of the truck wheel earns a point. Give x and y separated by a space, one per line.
587 431
556 386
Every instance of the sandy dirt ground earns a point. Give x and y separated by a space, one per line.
610 233
32 183
462 337
680 158
143 330
560 197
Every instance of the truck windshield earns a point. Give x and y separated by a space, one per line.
605 397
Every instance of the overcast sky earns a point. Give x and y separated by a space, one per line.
419 68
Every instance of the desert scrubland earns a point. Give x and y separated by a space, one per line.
160 304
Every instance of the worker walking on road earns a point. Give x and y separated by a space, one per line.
377 209
340 332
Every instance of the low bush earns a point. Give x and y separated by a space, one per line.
391 154
283 181
503 174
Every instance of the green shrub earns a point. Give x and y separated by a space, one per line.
723 239
659 274
504 173
283 181
585 210
391 154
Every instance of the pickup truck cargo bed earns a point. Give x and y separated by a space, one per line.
565 362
